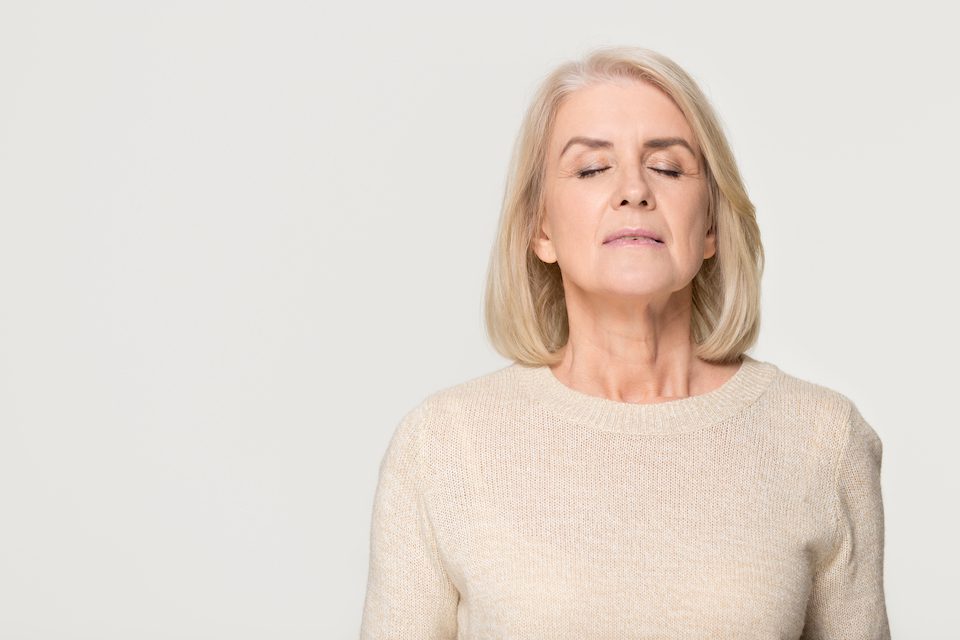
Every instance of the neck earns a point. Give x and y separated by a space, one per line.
640 353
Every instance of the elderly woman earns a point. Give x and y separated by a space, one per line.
633 473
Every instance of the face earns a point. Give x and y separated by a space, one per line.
628 169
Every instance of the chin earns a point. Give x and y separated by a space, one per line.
638 290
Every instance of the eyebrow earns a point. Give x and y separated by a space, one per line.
653 143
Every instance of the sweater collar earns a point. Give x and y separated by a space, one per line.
673 416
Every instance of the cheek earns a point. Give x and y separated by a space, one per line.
689 240
576 214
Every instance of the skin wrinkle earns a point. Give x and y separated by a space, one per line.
654 143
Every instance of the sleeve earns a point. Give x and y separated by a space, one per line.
847 598
408 592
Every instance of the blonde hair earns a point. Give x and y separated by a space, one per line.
525 310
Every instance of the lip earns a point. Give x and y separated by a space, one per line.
632 231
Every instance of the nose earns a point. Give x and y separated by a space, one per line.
632 189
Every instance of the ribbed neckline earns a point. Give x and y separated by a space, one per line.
673 416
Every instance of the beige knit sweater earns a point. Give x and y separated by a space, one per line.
513 506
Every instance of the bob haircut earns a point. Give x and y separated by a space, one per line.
525 310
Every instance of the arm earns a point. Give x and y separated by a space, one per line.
408 592
847 599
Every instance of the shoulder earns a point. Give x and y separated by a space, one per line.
464 402
810 398
823 412
430 434
478 395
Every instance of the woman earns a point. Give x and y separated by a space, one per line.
633 473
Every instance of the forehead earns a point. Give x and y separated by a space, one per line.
622 110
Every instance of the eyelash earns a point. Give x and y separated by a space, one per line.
586 173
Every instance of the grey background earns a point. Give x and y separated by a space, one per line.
239 240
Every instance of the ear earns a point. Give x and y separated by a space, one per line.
542 244
710 244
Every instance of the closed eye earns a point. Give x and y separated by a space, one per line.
669 173
586 173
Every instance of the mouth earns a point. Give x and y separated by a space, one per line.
626 241
634 238
633 235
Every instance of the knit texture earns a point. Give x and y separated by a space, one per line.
513 506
